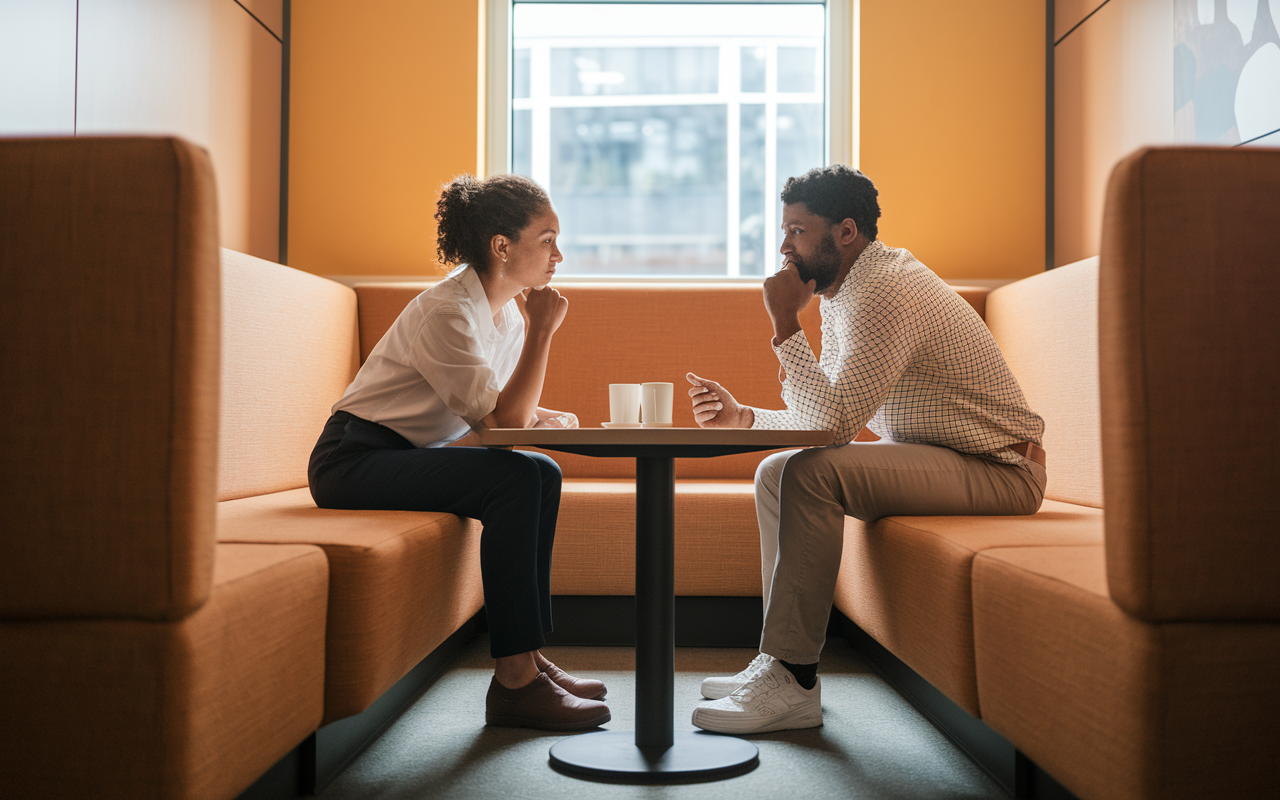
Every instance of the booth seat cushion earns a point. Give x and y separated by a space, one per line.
717 542
1047 329
1112 706
906 581
197 708
400 582
288 352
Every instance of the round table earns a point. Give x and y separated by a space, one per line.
654 754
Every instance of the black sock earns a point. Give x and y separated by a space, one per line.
805 674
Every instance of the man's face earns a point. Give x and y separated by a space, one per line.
810 245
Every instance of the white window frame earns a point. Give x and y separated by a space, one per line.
493 152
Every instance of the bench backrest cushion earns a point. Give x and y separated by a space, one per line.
289 349
1189 315
638 332
109 261
1047 328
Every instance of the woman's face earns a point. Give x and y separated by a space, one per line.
532 259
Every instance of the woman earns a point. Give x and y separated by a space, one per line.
463 354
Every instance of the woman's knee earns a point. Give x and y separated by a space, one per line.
548 470
526 474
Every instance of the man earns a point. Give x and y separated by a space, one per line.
905 356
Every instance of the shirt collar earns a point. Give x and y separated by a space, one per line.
869 252
470 280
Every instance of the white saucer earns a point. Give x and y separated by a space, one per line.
656 425
620 424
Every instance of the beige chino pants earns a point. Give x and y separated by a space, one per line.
802 497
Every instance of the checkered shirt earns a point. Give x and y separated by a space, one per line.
906 356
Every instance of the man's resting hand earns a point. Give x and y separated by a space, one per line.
714 407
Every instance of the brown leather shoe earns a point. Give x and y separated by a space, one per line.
578 687
541 704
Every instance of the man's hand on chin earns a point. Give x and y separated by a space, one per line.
785 296
714 407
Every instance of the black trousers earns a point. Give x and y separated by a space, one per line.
358 464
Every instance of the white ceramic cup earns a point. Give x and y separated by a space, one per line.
624 403
655 400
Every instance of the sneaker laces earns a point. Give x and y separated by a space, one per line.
758 666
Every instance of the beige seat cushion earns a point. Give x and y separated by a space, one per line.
717 542
192 709
1114 707
400 582
288 353
907 582
1047 329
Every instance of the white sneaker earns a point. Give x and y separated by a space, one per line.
715 688
772 701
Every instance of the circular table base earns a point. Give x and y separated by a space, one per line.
613 756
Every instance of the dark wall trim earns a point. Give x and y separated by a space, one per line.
1049 102
1077 25
1256 138
260 22
283 256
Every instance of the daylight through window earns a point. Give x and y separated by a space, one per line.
664 132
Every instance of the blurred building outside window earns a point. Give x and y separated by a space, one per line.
664 132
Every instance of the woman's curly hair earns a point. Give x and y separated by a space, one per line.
836 193
470 212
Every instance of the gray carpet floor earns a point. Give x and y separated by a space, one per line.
873 744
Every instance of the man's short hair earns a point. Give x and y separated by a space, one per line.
836 193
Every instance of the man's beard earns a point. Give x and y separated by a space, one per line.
824 267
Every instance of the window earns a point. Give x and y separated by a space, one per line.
664 132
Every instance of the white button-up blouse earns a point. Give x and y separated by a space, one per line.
440 366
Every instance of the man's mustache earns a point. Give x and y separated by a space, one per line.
801 269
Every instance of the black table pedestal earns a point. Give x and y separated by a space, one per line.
692 756
655 753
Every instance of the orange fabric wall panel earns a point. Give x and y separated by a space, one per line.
953 129
382 111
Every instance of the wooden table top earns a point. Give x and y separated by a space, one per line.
661 442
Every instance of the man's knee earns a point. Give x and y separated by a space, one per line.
808 466
769 473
